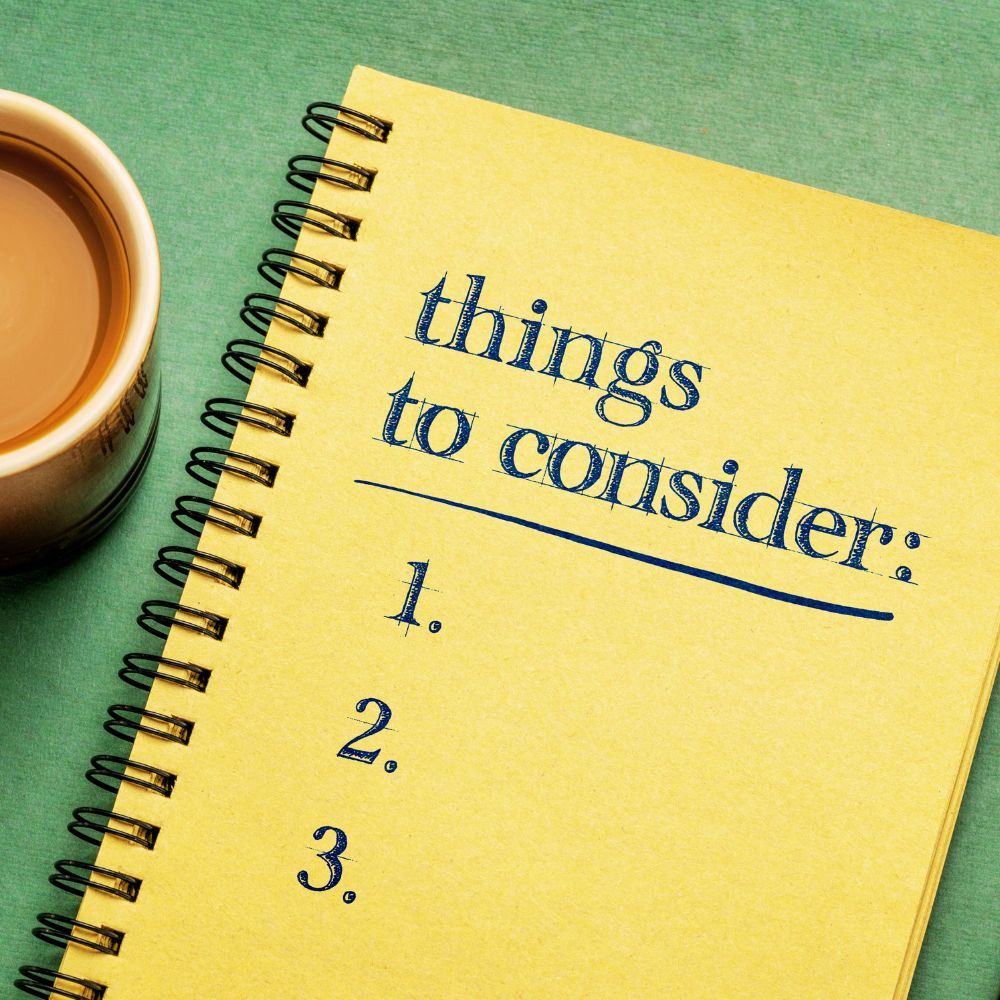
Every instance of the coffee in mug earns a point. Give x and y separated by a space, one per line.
64 291
79 292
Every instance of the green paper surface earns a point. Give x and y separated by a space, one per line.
897 104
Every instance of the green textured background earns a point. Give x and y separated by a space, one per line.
894 103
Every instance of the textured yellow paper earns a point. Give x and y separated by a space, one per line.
614 779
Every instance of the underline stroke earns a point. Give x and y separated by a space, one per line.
643 557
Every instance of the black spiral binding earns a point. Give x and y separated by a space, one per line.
175 563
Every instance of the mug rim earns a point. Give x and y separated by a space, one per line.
144 280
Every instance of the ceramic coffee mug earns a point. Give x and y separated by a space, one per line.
62 488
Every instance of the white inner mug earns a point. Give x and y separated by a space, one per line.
64 487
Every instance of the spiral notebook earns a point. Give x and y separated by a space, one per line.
592 599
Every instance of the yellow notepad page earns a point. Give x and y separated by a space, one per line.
640 508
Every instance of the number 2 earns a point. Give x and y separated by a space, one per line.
349 750
331 857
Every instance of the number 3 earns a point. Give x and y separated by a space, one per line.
331 857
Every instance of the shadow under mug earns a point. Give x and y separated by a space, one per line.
63 488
